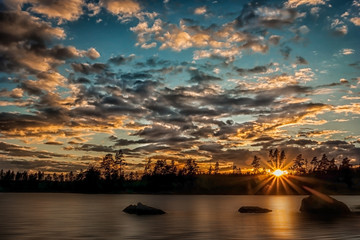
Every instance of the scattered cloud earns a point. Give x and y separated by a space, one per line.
122 7
296 3
355 21
300 60
69 10
347 51
200 10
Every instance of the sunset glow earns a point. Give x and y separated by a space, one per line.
279 173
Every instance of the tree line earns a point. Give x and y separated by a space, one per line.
300 165
166 176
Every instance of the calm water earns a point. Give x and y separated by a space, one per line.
80 216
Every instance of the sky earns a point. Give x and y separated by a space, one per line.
214 81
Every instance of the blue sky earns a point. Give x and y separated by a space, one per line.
206 80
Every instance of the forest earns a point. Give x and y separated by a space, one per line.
168 177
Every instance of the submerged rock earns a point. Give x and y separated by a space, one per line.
315 204
141 209
253 209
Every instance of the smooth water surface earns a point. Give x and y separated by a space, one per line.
81 216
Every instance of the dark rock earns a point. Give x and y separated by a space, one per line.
253 209
141 209
323 205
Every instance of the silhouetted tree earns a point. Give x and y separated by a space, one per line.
323 164
299 164
271 157
92 179
234 168
48 178
160 167
217 168
40 175
120 161
18 176
345 172
332 166
345 164
282 158
107 165
256 164
71 176
210 170
276 158
315 163
55 177
147 168
190 168
131 176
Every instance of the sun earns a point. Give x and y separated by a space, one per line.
279 172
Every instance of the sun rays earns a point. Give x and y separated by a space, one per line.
279 180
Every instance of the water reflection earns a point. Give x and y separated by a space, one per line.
282 220
78 216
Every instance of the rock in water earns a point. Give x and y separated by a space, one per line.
141 209
315 204
253 209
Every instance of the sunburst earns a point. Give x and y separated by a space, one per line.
279 173
279 180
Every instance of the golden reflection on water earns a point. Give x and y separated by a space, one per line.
281 219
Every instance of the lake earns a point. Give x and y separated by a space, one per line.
81 216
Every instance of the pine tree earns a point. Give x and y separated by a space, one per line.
324 164
256 164
315 163
217 168
299 164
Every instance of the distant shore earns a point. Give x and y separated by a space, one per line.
201 184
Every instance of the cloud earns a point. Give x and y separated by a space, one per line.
315 11
304 29
87 69
69 10
43 165
21 151
274 39
254 70
355 21
93 8
301 60
92 53
317 133
285 51
218 42
25 50
301 142
14 93
126 9
122 59
296 3
54 143
121 6
200 10
347 51
201 77
146 33
355 65
338 27
94 148
268 17
292 114
353 108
